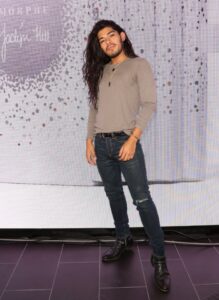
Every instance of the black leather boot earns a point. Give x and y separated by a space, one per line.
161 274
119 247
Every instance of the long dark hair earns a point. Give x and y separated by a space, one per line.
95 58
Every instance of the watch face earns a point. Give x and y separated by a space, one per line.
30 35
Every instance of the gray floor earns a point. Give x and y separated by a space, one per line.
75 272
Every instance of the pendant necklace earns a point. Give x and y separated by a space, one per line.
115 66
113 72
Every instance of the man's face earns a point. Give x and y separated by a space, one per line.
111 41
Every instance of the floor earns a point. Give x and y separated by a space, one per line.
57 271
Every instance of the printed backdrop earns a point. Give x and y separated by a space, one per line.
43 100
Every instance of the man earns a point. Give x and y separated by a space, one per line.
122 99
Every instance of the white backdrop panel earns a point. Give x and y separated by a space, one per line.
44 102
54 153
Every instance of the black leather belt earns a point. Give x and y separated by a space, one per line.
111 134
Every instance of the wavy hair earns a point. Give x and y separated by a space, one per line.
95 58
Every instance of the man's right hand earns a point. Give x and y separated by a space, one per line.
90 152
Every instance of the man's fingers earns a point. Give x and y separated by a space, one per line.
125 153
126 156
92 161
91 157
121 152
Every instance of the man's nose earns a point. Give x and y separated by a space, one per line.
108 41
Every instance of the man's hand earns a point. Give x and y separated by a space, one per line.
90 152
127 150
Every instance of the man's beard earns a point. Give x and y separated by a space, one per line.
115 54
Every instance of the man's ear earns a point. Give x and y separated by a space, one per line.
123 36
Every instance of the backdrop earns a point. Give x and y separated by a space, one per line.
44 105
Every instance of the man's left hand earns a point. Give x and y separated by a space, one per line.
127 150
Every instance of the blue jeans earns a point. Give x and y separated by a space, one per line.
134 172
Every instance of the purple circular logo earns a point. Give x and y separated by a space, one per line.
30 35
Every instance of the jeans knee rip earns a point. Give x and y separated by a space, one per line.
141 201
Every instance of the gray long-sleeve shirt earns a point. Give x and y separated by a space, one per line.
126 98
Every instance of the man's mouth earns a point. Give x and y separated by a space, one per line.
110 47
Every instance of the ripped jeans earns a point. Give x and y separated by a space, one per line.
134 172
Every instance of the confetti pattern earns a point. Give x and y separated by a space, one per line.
44 100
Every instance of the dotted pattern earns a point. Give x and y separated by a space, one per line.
45 83
50 90
173 37
170 34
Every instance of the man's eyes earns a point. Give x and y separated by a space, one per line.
111 34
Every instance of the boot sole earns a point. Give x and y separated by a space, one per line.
160 289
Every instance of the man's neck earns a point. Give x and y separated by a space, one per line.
119 59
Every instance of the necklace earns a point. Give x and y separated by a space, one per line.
113 72
115 67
